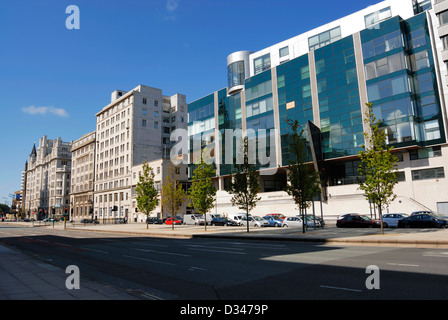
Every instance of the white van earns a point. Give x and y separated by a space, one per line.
195 219
237 217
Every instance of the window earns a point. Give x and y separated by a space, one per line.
156 114
385 66
377 17
382 44
433 173
144 100
144 112
420 60
425 153
324 38
143 123
156 125
284 52
443 18
262 63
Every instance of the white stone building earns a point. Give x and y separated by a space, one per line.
135 127
47 177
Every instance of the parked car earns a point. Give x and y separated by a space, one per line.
279 216
89 221
311 223
423 221
345 215
357 221
172 220
223 222
391 219
422 212
154 220
254 221
292 222
273 220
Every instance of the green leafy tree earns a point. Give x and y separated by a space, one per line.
245 184
147 194
378 167
202 192
304 181
173 196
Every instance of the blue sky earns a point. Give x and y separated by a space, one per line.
53 80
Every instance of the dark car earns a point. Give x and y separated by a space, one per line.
357 221
223 222
89 221
425 220
154 220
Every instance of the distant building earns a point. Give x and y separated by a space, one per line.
135 127
47 179
82 178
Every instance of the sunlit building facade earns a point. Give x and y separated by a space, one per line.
392 54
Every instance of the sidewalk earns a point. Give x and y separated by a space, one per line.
26 278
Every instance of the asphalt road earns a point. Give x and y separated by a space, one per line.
211 269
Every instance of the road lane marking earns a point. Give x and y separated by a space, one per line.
340 288
94 250
403 264
218 251
150 260
168 253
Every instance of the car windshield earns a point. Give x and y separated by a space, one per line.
257 218
366 218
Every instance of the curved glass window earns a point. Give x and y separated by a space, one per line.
235 74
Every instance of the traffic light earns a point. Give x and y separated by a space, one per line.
66 210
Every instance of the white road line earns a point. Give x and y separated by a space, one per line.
218 251
403 264
168 253
150 260
339 288
151 245
94 250
211 247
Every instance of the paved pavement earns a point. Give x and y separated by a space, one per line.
26 278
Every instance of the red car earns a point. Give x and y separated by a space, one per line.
278 216
172 221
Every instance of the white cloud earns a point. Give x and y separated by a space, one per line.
44 110
171 5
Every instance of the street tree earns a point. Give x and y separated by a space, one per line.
202 192
303 180
173 196
378 165
244 184
147 194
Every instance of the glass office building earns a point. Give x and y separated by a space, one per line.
391 55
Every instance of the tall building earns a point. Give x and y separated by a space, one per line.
82 178
47 179
135 127
392 54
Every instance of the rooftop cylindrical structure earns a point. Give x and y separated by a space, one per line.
237 70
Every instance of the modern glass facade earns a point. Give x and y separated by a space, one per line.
388 61
401 81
